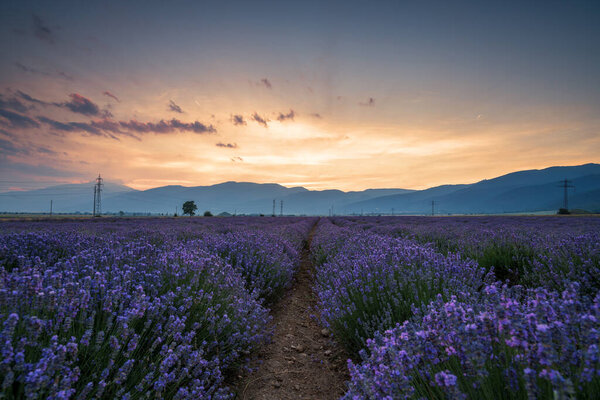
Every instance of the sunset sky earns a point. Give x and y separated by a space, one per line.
347 95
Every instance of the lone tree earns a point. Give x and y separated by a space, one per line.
189 207
207 214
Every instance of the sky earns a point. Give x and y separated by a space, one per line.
340 94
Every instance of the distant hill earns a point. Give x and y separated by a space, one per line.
65 198
522 191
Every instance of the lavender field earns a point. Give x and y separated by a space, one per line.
138 308
425 308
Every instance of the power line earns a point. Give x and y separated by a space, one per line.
566 184
98 197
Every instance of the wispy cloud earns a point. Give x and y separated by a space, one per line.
316 115
14 148
238 120
35 71
369 103
227 145
262 121
266 83
17 120
282 117
237 159
30 70
30 99
8 148
112 96
41 30
13 103
174 107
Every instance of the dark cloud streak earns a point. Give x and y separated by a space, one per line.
112 96
282 117
80 105
238 120
174 107
41 30
368 103
262 121
31 70
13 104
17 120
167 126
266 83
30 99
227 145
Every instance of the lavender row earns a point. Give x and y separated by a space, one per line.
432 324
132 309
532 251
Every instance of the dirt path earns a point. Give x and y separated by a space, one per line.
302 362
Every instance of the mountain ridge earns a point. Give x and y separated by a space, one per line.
534 190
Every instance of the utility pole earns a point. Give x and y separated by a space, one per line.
97 196
273 208
281 209
50 207
566 184
392 211
432 208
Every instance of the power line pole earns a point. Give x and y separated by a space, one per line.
432 208
392 211
97 196
273 208
50 207
281 209
566 184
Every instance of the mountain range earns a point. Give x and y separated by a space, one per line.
518 192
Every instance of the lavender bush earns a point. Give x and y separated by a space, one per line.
264 261
511 345
372 282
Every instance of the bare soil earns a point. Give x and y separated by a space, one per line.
302 361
